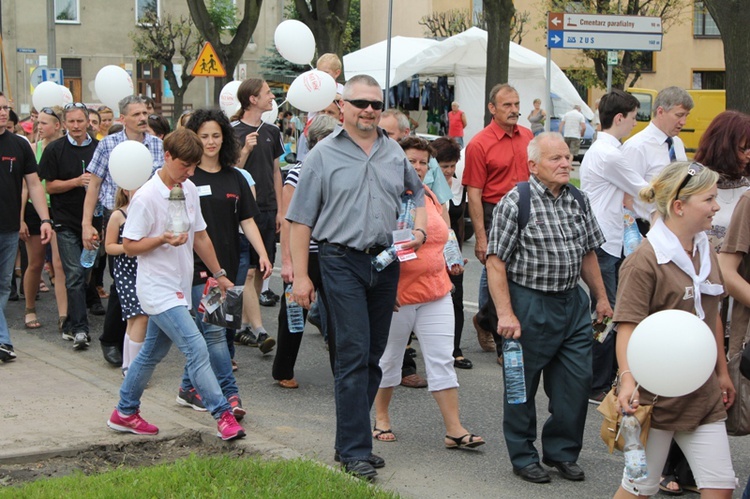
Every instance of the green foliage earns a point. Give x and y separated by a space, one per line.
219 477
223 14
351 37
275 64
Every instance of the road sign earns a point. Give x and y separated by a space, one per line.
603 41
208 63
559 21
22 50
43 73
612 58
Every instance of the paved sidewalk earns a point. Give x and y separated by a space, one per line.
56 402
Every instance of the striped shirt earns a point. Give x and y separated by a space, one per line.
292 177
548 254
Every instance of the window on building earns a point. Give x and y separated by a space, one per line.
144 8
708 80
703 23
71 68
66 12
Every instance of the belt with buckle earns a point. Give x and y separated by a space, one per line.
372 250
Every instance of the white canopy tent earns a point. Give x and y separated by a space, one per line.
465 57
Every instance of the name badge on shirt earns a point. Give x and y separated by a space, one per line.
204 190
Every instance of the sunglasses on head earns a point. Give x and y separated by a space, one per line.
376 105
694 169
50 111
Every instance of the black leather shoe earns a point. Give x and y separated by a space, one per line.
112 355
533 473
361 469
462 363
97 309
568 469
375 460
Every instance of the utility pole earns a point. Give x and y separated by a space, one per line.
51 42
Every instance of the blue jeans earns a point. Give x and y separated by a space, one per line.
177 326
70 246
604 359
8 250
746 493
218 351
359 303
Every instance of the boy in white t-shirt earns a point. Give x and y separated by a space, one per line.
163 286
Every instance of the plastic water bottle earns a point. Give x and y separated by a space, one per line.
88 256
515 381
384 258
631 237
406 215
635 454
294 316
451 251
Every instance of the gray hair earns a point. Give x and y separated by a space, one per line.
672 97
534 150
127 101
320 127
401 119
359 79
501 87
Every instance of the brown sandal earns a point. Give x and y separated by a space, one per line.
33 323
288 383
383 435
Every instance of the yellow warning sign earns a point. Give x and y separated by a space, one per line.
208 63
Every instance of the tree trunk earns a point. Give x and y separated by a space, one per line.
733 17
498 14
229 53
327 21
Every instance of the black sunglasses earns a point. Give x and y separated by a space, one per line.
376 105
694 169
75 105
50 111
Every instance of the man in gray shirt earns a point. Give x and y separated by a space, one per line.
348 199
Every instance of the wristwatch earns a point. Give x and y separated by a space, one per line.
220 273
47 221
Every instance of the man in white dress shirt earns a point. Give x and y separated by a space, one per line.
608 179
573 127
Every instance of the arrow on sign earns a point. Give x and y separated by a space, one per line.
556 39
555 21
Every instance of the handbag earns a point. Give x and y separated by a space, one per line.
610 430
738 416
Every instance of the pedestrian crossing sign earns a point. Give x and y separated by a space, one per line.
208 63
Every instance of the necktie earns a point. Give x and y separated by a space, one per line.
670 145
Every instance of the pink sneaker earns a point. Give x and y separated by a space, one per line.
236 404
133 424
228 427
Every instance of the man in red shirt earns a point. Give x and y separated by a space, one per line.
496 160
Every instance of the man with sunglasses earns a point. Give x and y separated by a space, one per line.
348 199
63 166
17 165
134 117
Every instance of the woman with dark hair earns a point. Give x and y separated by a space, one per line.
447 153
423 305
158 126
226 204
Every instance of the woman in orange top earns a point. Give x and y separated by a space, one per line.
424 306
456 124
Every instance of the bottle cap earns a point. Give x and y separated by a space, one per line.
177 194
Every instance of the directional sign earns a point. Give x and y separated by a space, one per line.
559 21
22 50
603 41
208 63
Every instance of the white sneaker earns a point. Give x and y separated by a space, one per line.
81 341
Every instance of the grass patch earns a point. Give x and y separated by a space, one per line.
215 477
576 182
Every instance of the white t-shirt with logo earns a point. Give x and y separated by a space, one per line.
165 274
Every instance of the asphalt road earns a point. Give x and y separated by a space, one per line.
418 465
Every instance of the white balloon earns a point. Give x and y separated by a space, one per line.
228 98
47 94
130 164
113 84
294 41
312 91
67 96
270 116
672 353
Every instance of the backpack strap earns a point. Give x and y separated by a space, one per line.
524 202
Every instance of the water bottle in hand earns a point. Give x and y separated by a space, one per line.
294 315
635 454
515 381
384 258
88 256
452 252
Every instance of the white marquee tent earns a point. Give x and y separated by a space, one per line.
465 57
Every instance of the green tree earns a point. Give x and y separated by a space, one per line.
158 40
732 17
228 37
590 69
